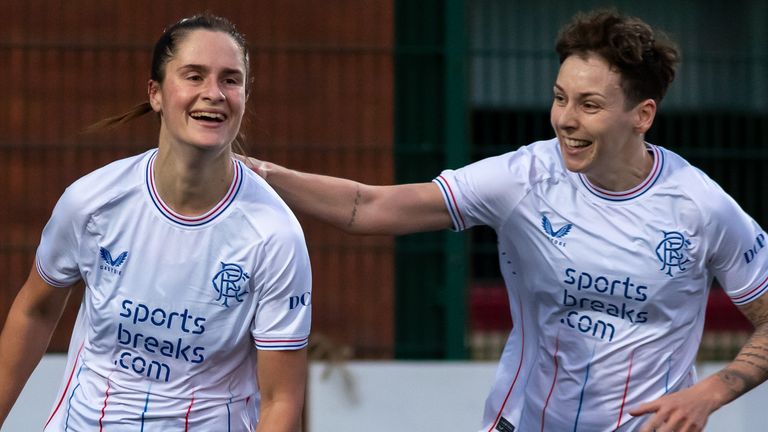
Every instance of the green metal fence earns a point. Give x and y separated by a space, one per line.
430 133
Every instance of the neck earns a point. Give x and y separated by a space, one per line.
192 181
627 172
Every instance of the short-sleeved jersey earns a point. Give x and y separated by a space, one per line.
607 290
175 307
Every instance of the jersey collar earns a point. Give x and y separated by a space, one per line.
192 221
643 187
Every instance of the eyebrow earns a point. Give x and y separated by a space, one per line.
202 68
582 95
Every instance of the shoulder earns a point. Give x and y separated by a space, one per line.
546 152
683 180
264 210
487 191
104 184
521 168
543 153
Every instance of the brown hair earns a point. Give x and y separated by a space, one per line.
646 60
164 50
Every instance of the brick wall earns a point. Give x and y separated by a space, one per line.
322 101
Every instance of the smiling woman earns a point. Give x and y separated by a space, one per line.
236 75
201 99
598 136
608 245
192 266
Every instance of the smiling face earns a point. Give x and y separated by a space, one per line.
201 100
599 136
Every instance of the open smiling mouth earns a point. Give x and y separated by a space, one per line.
575 143
208 116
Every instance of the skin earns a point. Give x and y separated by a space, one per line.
282 379
358 208
601 135
206 75
31 321
193 171
598 136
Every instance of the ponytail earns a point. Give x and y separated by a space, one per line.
117 120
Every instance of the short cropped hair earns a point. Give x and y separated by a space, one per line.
646 60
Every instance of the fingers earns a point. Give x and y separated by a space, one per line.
671 423
657 425
257 166
657 421
643 409
676 412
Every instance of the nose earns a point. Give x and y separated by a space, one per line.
564 117
212 91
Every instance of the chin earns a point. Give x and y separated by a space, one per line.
576 163
575 166
210 142
573 169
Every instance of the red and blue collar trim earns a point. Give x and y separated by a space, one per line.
645 186
193 221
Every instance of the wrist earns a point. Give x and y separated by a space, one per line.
719 389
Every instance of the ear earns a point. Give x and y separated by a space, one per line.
155 96
645 112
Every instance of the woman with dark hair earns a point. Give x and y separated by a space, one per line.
608 245
196 311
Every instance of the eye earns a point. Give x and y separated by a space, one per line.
590 107
232 78
194 77
559 99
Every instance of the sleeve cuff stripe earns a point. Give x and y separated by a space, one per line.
47 278
450 201
281 343
751 294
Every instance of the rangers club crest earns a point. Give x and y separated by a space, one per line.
229 283
671 252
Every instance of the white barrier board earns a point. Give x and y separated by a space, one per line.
382 396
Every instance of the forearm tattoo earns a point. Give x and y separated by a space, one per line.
353 216
736 382
750 367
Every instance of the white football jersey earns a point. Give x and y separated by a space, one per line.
607 290
175 307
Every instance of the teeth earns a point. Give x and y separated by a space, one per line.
575 143
208 115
